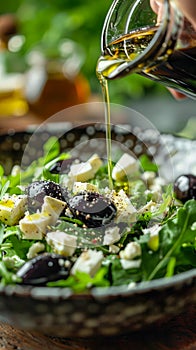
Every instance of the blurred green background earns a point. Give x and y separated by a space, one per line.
44 23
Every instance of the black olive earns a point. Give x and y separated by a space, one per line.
62 166
39 189
93 209
44 268
185 187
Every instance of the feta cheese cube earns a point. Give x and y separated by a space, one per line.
53 207
34 226
35 249
126 165
111 235
126 212
131 251
84 186
113 249
82 171
89 261
85 171
95 162
130 264
12 208
62 243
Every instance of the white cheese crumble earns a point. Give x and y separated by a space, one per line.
126 165
126 212
89 261
85 171
35 249
62 243
130 264
34 226
83 186
131 251
53 207
12 208
111 235
113 249
153 232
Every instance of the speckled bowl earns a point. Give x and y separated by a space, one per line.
59 312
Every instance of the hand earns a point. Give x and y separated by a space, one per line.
188 8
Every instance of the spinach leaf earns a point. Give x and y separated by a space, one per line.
174 234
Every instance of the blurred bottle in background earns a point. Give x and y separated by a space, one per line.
12 69
37 83
55 82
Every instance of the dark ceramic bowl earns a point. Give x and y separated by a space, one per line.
59 312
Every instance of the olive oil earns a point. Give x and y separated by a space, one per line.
126 55
106 98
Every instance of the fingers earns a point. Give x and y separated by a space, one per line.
176 94
155 4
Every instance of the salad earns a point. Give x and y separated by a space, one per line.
61 225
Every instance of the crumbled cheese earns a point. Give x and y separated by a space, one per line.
157 184
89 261
35 249
126 165
130 264
111 235
153 231
34 226
150 206
113 249
82 171
148 177
131 251
66 180
95 162
84 186
62 243
12 208
126 212
53 207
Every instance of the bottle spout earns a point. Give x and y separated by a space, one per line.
111 68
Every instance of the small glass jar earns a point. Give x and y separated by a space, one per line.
160 46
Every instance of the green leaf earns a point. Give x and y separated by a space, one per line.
121 276
173 235
4 188
51 149
147 164
7 277
82 281
2 228
20 246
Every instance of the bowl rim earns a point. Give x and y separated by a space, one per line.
52 293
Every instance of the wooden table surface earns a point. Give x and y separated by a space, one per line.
179 333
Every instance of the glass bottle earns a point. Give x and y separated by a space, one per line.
160 46
12 69
55 82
